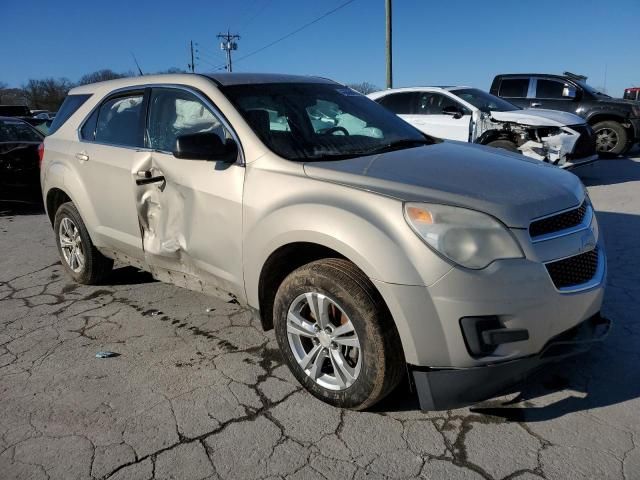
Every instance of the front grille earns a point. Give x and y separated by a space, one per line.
585 146
558 222
574 270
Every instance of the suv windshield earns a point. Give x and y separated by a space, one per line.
590 89
318 121
483 101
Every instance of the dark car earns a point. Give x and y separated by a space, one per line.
616 121
19 160
14 111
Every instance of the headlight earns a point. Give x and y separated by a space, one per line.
468 238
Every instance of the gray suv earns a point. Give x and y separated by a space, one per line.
371 248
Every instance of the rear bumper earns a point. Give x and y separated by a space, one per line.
442 389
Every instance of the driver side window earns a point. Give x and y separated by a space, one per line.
433 103
174 112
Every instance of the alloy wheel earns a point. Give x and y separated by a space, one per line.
71 245
606 139
323 341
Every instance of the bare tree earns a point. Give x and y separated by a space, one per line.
100 76
364 87
46 94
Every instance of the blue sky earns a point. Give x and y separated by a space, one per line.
435 42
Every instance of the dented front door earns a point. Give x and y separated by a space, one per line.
190 211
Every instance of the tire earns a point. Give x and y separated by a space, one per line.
505 145
611 138
90 266
353 303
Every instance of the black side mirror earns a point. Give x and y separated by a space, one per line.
455 112
206 146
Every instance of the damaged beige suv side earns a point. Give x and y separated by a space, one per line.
371 248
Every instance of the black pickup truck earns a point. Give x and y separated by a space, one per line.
616 122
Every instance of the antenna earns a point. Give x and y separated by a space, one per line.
137 64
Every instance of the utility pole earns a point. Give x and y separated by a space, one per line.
389 46
192 65
227 44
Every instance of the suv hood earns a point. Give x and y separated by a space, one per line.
508 186
538 117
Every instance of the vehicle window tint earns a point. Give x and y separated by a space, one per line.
175 112
514 87
88 130
432 103
398 103
68 108
119 121
17 131
549 88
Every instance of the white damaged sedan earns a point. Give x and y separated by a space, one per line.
472 115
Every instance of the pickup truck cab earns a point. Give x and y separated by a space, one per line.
371 248
615 121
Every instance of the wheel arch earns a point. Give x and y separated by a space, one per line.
491 135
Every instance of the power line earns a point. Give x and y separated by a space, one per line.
297 30
255 15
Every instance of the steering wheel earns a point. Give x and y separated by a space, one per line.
330 130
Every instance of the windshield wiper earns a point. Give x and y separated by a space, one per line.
398 145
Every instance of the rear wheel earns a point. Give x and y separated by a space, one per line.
611 137
80 258
337 335
504 144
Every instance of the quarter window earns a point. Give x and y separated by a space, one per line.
549 88
514 87
174 112
119 121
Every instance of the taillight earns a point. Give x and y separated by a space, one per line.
40 154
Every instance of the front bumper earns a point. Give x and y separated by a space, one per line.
441 389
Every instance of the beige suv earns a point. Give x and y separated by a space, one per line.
371 248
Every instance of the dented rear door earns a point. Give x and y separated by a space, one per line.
190 211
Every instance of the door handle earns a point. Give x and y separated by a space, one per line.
83 157
536 104
150 179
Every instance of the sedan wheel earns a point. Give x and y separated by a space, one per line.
324 341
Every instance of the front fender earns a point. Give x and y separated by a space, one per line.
366 228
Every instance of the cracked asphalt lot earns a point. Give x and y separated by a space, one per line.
199 391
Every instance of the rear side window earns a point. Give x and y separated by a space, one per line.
398 103
119 121
549 88
88 130
68 108
514 87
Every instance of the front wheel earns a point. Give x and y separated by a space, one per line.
611 138
504 144
336 334
80 258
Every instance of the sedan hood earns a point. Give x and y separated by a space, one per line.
508 186
538 117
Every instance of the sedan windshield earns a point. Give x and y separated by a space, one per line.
483 101
320 121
